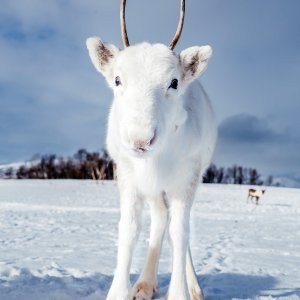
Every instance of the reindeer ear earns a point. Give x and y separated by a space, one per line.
194 61
102 55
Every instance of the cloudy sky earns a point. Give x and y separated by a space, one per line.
53 101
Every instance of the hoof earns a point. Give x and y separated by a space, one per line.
143 291
196 293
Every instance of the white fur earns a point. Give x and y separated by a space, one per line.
162 140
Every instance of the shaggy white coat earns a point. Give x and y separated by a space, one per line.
162 139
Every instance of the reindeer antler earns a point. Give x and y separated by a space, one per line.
176 36
179 27
123 24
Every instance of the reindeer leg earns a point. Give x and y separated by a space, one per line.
179 236
147 282
180 200
131 206
193 285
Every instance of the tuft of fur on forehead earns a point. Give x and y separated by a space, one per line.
146 51
151 58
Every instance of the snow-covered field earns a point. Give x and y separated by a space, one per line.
58 241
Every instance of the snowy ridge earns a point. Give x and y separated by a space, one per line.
58 241
14 167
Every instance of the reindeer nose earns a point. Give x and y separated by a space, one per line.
140 146
144 145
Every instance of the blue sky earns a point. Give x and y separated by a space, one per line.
53 101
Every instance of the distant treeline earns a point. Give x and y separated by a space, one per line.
99 166
236 175
83 165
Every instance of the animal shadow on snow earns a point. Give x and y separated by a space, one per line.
225 286
60 286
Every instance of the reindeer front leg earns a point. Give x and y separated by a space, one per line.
147 282
179 237
131 206
180 201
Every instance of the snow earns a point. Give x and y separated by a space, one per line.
287 181
58 241
15 167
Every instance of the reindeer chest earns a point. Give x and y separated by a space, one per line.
150 176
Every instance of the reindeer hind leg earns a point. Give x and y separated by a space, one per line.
193 285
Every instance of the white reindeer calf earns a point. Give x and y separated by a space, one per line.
161 134
253 193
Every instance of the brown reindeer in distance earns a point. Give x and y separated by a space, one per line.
253 193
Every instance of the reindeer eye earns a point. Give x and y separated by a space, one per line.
118 81
174 84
